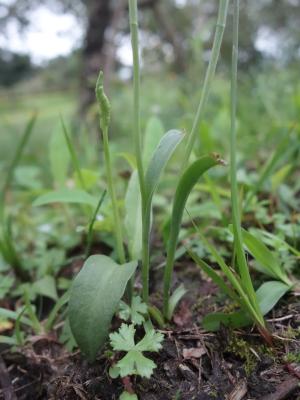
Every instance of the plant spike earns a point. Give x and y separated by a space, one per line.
104 119
210 72
238 241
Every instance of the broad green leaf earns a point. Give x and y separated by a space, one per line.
161 155
184 187
66 196
59 157
133 217
269 293
46 287
270 264
153 134
94 298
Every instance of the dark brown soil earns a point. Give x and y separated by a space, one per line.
193 364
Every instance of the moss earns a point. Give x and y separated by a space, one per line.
240 348
292 358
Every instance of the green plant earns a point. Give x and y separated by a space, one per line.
141 191
253 305
95 295
134 362
7 244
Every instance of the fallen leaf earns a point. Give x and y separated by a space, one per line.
194 352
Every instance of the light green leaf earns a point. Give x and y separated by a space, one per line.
133 217
151 341
269 293
94 298
123 340
66 196
134 362
135 313
270 263
175 298
46 287
153 134
59 157
161 156
128 396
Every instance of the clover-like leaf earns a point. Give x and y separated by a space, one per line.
135 313
134 362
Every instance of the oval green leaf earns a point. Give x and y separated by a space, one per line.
94 298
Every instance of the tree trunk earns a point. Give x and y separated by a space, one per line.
99 15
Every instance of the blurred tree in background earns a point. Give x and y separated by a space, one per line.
173 32
14 67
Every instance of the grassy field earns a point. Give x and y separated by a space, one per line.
15 111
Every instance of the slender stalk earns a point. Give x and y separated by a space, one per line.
238 242
133 18
104 120
210 72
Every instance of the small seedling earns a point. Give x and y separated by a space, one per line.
134 362
135 313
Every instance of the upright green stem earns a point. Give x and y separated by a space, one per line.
238 242
210 72
133 17
112 195
104 120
